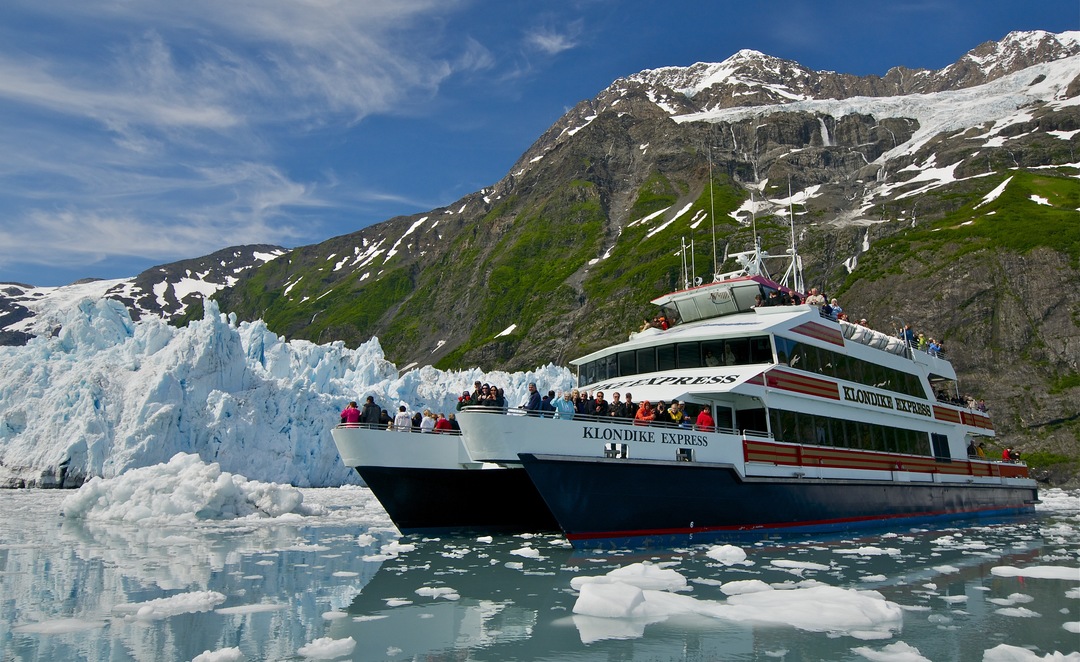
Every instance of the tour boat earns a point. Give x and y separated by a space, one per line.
818 425
428 484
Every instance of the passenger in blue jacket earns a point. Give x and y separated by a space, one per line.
532 401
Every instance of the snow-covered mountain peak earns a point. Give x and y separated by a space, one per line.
1016 51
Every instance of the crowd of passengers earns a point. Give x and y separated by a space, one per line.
372 416
566 405
563 405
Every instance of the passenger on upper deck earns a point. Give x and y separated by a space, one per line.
675 412
564 407
350 414
464 401
704 422
729 356
907 335
711 360
617 408
645 414
815 298
402 421
600 406
371 412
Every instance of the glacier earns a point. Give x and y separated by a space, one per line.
102 394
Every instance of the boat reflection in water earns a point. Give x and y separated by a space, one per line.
511 597
464 593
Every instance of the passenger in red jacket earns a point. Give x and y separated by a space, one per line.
443 425
705 422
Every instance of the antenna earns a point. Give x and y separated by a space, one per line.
712 214
685 274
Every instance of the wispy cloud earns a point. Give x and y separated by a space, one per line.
155 128
552 41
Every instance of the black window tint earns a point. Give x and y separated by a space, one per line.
688 355
665 357
760 350
646 360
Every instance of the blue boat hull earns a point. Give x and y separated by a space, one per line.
599 501
439 501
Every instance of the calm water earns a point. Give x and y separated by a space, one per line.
74 590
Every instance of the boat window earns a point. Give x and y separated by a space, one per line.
940 444
589 370
723 417
812 358
683 355
612 367
665 357
783 350
752 420
760 350
688 355
646 360
736 352
816 430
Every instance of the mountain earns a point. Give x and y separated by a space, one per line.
944 199
164 291
936 198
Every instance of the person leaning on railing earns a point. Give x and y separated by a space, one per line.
704 422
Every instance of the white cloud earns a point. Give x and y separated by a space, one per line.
552 41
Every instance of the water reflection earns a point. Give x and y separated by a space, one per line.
77 590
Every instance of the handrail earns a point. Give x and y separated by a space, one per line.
390 428
611 420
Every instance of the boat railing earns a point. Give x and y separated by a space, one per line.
390 428
883 341
688 426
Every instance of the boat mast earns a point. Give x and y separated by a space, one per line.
712 214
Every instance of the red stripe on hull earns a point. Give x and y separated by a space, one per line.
781 525
820 332
802 384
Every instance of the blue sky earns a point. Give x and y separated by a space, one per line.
134 133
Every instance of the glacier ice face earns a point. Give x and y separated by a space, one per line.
105 394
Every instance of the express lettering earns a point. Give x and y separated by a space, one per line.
666 381
912 407
618 434
867 397
683 439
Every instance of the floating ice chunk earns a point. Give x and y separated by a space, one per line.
727 554
1007 653
527 552
60 626
745 586
220 655
1018 612
327 648
184 603
1039 572
642 575
898 652
444 592
185 489
615 600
